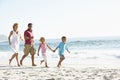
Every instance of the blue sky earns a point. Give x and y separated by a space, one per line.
55 18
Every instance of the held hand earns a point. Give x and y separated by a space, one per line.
53 50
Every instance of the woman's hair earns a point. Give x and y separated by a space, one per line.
42 39
15 24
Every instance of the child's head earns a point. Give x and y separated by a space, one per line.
42 39
63 39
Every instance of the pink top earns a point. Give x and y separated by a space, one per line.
29 34
43 47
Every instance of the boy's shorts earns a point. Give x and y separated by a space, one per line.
29 49
61 55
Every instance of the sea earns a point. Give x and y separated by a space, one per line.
83 51
75 44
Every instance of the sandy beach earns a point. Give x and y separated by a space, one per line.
54 73
82 66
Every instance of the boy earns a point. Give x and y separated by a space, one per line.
62 47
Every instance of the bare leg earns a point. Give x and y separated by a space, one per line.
10 60
17 59
46 64
32 58
22 59
60 61
41 61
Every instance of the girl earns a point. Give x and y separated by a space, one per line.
43 45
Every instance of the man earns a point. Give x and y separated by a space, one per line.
29 44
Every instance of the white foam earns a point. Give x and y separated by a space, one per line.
86 57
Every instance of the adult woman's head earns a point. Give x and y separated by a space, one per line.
15 26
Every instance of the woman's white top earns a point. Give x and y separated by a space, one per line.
15 42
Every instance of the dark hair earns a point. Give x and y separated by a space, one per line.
29 24
63 37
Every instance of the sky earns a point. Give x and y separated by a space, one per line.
55 18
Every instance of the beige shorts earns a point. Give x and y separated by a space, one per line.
29 49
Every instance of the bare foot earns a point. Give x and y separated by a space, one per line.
34 65
20 62
41 61
9 61
58 66
46 66
18 65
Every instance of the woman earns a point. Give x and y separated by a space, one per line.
14 42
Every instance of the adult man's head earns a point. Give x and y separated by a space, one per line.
30 26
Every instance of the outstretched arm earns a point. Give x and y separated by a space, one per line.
50 48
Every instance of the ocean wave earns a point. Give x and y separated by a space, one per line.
72 44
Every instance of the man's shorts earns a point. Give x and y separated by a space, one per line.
29 49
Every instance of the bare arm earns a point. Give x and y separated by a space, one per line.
38 50
68 51
26 38
10 37
21 37
49 47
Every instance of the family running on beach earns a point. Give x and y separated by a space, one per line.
14 41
